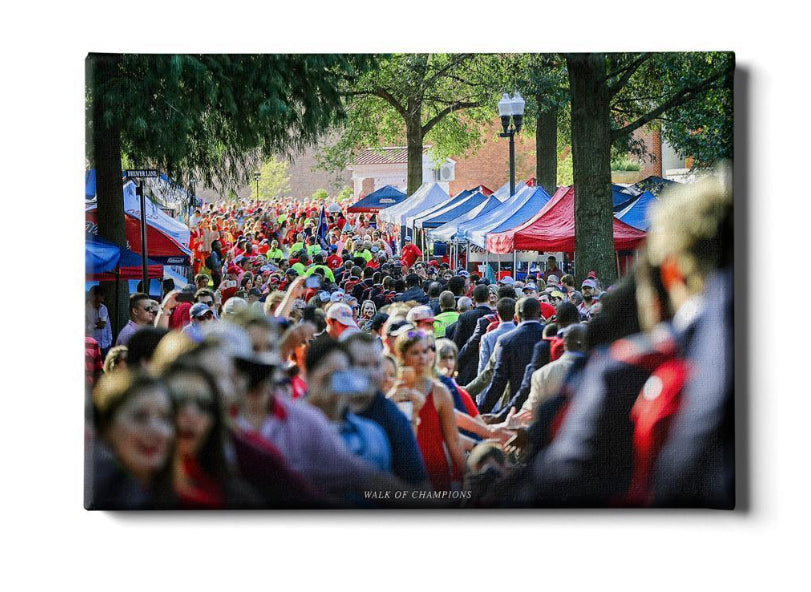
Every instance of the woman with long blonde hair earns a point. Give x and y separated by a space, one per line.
437 434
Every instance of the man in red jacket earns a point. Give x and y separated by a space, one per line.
411 253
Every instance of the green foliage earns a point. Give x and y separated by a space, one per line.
625 164
320 194
217 116
346 193
542 81
687 96
274 180
455 95
565 170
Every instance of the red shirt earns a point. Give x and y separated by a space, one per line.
411 253
334 262
180 316
470 406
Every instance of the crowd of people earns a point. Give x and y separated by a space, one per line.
318 361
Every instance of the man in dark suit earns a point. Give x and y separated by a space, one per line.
514 353
413 291
468 360
466 323
567 315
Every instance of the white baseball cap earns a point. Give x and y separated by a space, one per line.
343 314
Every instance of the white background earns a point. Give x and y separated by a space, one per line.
50 542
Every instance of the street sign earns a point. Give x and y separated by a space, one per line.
142 173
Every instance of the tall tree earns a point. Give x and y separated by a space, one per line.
542 81
274 178
613 95
211 116
410 98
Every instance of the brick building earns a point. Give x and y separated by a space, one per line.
488 165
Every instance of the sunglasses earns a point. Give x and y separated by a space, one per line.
208 316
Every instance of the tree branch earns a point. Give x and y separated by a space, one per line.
680 98
452 64
429 125
381 93
627 72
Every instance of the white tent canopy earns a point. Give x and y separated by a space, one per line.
438 211
423 199
497 216
447 230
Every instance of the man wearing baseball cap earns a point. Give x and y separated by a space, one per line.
340 323
422 317
200 315
589 290
411 253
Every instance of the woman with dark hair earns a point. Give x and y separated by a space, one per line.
436 428
202 478
214 262
134 425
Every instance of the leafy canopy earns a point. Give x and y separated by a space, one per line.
217 116
274 178
452 97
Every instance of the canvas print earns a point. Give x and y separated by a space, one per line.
409 281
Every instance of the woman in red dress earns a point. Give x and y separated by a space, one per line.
437 435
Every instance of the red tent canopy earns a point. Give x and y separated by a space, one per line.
552 229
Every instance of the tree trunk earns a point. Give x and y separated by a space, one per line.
106 156
546 148
414 137
591 154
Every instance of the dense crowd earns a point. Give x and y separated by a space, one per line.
317 361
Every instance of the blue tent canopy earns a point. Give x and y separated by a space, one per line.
447 230
636 214
453 213
384 197
621 199
417 219
100 255
653 184
496 216
528 209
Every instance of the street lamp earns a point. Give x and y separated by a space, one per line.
256 176
511 108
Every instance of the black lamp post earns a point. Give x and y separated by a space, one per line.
256 176
511 108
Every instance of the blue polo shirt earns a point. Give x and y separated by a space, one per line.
406 460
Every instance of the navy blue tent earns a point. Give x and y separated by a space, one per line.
653 184
103 259
100 255
636 214
384 197
453 213
621 199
